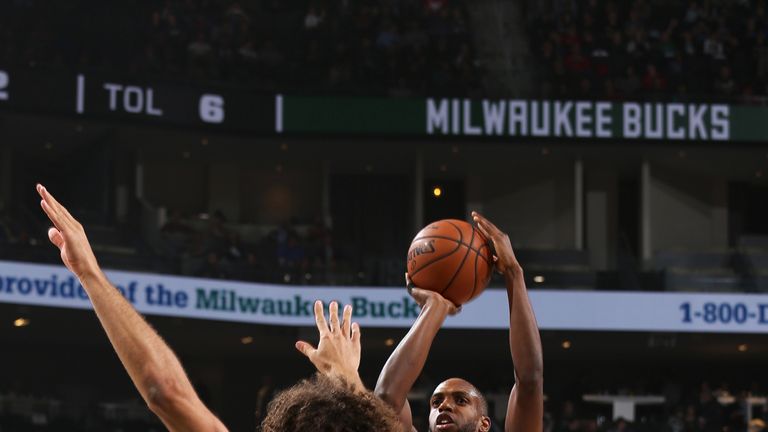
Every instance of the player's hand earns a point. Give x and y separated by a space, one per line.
426 297
338 352
69 236
505 257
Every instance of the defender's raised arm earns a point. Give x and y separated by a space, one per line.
151 364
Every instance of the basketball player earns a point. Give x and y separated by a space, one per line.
334 400
456 405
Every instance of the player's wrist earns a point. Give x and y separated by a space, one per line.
438 304
513 270
91 276
350 377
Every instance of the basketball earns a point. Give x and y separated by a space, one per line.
452 258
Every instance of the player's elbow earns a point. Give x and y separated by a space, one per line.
163 395
531 381
386 395
382 393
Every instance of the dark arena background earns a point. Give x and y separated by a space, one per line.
223 155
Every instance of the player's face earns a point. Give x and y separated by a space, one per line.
455 406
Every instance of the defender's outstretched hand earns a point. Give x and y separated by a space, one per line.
69 236
149 361
338 352
505 256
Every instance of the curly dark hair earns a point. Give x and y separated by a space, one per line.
322 404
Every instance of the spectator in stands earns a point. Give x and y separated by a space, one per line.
216 236
653 82
199 48
620 425
567 420
212 267
314 18
709 409
6 235
725 85
348 47
713 46
629 84
757 425
251 269
434 6
610 92
319 243
689 45
676 422
265 394
388 37
291 255
176 225
415 37
234 251
269 55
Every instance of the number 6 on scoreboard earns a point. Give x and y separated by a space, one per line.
4 80
211 108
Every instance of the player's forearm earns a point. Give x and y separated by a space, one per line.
524 338
152 366
405 364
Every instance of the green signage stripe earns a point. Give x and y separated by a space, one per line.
559 119
749 123
353 115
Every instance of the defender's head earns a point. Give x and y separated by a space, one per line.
325 404
458 406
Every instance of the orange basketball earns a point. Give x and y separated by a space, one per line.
452 258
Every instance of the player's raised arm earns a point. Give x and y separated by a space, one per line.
152 366
338 353
525 411
407 360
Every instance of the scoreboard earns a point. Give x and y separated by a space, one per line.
82 94
233 109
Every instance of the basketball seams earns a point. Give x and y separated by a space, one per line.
468 246
486 278
463 260
436 259
474 278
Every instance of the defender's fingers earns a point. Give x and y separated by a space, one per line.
55 237
49 199
52 215
333 311
305 348
356 333
62 212
322 325
346 322
54 210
